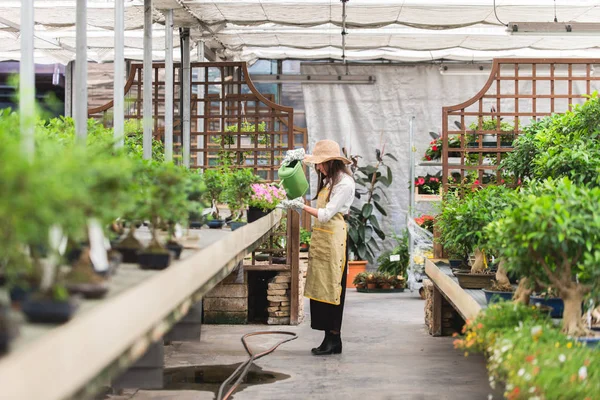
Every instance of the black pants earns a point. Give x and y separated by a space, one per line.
328 317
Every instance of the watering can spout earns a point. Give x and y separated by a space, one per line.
293 179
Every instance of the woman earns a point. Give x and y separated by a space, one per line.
327 258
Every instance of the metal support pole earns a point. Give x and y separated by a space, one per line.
27 79
81 92
411 194
147 121
201 139
169 86
119 81
186 97
69 88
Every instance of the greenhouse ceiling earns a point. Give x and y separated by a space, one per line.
395 30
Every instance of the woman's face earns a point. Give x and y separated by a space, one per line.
322 168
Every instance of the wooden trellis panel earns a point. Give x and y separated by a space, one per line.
224 100
518 92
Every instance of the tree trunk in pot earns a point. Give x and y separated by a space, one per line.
523 292
572 321
478 265
502 281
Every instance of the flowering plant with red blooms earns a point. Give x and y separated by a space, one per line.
425 222
434 152
428 184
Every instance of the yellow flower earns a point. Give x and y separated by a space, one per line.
569 345
557 345
466 354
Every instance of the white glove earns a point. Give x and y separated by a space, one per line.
293 155
295 204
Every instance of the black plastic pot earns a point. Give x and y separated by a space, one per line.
215 224
5 333
455 263
195 224
175 248
19 294
156 261
130 255
255 213
48 311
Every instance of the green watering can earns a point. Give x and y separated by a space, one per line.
293 179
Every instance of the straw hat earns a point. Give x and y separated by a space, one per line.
325 150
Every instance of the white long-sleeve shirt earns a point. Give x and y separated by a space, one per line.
342 196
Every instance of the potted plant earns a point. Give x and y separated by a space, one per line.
164 202
264 198
363 225
372 281
237 194
434 151
386 281
558 221
399 283
462 222
215 180
428 184
195 189
304 239
395 268
506 129
360 280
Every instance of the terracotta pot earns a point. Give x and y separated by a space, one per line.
371 286
360 286
386 286
354 268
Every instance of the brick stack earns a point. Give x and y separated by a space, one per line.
278 295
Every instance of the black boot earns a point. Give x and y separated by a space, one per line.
333 345
323 343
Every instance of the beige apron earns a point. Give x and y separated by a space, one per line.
326 257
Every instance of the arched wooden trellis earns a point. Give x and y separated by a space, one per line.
478 132
227 111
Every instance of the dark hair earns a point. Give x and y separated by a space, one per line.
335 169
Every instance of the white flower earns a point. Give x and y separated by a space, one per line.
582 372
527 377
490 397
536 330
521 372
562 358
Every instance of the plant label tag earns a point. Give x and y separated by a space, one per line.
178 231
58 241
98 253
395 257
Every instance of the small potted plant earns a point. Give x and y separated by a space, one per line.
426 222
165 202
399 282
372 281
215 181
305 236
434 151
264 198
386 281
360 280
237 194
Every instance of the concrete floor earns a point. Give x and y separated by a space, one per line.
387 355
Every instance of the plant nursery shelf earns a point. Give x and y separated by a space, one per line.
105 337
467 302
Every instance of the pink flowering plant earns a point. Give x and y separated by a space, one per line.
266 196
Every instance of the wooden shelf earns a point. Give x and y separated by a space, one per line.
106 336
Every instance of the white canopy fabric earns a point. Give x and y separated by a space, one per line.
398 30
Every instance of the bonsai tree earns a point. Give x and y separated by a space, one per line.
462 224
239 191
551 235
371 181
215 185
165 199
